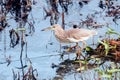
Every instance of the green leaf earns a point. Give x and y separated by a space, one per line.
21 29
81 68
99 71
106 45
113 70
88 48
82 61
106 76
112 31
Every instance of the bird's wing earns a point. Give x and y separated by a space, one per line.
77 33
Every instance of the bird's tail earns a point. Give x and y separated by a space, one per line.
93 32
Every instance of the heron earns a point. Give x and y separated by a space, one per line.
74 35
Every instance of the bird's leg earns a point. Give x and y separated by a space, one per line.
76 46
61 55
78 52
84 45
93 40
73 47
60 48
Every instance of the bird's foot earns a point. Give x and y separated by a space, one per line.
72 49
69 49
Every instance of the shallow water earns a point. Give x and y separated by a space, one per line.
39 49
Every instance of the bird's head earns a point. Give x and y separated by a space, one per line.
53 27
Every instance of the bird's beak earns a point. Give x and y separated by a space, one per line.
48 28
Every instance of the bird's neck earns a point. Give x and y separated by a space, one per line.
60 33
